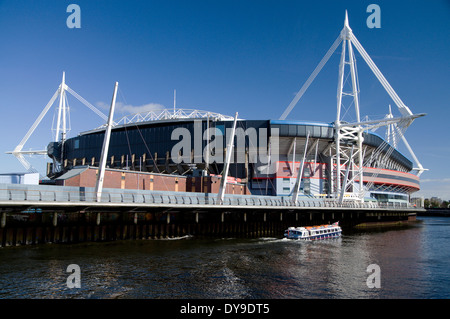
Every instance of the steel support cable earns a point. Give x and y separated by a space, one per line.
268 180
387 154
145 143
25 163
401 106
69 127
89 105
142 137
36 123
126 132
151 156
128 142
419 165
148 149
376 154
346 109
311 78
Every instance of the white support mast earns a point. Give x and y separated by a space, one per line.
223 181
391 137
345 181
174 101
349 136
62 115
61 109
105 148
311 78
298 181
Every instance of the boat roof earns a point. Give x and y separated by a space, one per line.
314 227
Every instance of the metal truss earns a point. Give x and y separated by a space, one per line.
348 158
61 125
167 114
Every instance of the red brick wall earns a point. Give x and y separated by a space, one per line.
148 181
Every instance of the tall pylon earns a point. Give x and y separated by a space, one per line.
348 139
348 158
61 125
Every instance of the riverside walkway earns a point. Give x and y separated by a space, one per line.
18 197
38 214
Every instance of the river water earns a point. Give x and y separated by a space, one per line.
414 262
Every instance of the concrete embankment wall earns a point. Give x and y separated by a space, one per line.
435 212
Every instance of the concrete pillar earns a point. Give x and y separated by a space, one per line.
98 219
3 220
55 219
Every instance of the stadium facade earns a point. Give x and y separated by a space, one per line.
267 155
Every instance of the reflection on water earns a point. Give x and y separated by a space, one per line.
412 263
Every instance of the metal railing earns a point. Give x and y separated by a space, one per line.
65 194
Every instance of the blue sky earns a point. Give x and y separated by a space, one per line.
249 57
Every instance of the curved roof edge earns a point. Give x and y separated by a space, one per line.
314 123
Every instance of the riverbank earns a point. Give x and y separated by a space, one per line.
435 212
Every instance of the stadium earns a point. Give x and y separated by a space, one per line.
149 146
192 150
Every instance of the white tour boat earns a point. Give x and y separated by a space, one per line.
314 232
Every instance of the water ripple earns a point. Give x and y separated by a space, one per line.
413 262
